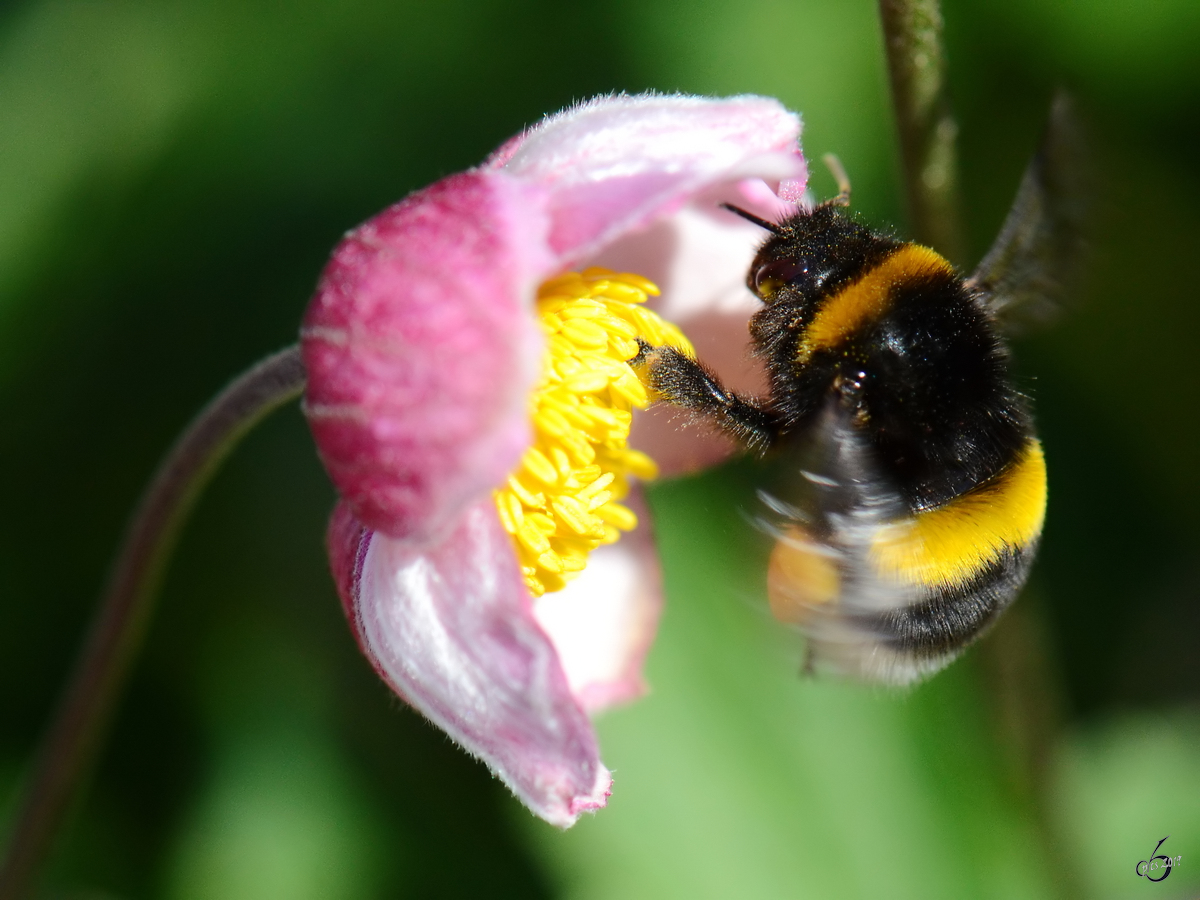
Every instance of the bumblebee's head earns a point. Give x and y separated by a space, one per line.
810 254
786 266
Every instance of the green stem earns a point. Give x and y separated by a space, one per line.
77 731
912 32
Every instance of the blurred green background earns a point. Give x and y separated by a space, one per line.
172 178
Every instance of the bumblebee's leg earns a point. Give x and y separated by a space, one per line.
808 668
683 382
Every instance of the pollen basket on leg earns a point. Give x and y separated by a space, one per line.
563 501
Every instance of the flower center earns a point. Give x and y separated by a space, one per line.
562 502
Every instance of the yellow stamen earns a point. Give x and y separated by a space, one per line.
562 502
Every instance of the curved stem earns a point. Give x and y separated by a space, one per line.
87 704
912 34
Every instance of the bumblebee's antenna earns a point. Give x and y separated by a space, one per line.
838 171
751 217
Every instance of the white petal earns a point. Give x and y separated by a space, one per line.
617 164
451 628
605 620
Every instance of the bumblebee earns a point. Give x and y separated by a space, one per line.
911 486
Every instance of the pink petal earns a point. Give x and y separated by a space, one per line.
615 164
421 350
450 627
603 623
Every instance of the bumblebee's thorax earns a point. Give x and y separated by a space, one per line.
889 330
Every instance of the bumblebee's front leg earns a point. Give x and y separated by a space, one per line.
682 381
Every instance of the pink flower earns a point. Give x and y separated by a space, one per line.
424 347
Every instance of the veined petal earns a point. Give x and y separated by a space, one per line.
451 628
603 623
614 164
421 350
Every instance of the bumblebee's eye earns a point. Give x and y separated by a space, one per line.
773 275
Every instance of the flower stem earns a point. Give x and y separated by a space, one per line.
87 704
912 33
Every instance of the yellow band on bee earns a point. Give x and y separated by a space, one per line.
948 545
867 298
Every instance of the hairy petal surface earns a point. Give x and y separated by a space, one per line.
421 350
450 627
614 164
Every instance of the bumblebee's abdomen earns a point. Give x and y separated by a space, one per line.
932 632
898 599
945 548
965 560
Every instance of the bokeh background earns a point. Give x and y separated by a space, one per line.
172 178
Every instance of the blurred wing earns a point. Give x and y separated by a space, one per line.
1039 255
824 517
